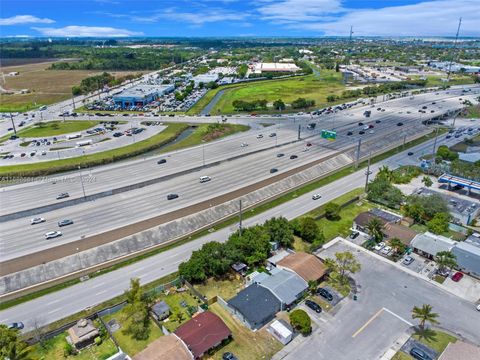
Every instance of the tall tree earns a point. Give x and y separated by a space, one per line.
332 211
309 229
279 105
424 314
11 346
347 263
374 229
279 229
427 181
439 223
397 245
445 260
385 173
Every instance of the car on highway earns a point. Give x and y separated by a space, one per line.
293 157
37 220
23 155
204 179
349 133
379 246
162 161
63 195
419 354
371 132
361 132
117 134
53 234
410 153
400 124
408 260
259 136
360 124
325 294
272 135
316 196
280 155
172 196
273 170
243 144
314 306
309 144
65 222
457 276
16 325
478 307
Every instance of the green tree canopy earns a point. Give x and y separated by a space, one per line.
279 229
424 314
11 346
332 211
300 321
279 105
445 260
439 223
374 228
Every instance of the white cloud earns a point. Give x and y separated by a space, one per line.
196 18
86 31
298 10
24 19
429 18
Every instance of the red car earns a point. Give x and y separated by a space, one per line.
457 276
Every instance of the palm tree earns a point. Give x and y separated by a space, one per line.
445 259
424 314
427 181
374 228
385 173
397 245
312 286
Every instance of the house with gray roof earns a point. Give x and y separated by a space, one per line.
428 244
160 310
286 285
255 306
468 257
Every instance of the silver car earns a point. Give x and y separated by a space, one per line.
53 234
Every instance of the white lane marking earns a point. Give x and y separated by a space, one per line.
54 302
101 292
52 311
398 317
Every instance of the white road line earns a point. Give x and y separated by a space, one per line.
398 317
54 302
52 311
101 292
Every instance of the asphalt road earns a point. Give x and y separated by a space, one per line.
68 301
365 329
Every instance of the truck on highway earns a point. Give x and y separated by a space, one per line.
367 113
73 136
84 143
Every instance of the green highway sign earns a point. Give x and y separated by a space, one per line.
329 135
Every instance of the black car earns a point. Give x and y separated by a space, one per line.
410 153
63 196
349 133
274 170
172 196
65 222
117 134
228 356
360 124
16 325
378 121
293 157
419 354
325 293
162 161
361 132
448 136
424 107
272 135
280 155
314 306
354 234
400 124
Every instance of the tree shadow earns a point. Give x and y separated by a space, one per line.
426 334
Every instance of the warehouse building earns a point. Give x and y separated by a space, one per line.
141 95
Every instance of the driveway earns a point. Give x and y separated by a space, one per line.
365 329
468 287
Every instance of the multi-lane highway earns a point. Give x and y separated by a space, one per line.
20 238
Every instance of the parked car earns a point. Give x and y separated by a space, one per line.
379 246
37 220
16 325
172 196
316 196
65 222
408 260
63 195
457 276
229 356
325 294
162 161
52 234
386 250
314 306
354 234
419 354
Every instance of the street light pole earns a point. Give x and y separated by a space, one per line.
13 125
81 181
368 172
203 154
240 220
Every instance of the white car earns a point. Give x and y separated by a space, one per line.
478 307
386 250
379 246
371 132
366 127
243 144
37 220
53 234
259 136
316 196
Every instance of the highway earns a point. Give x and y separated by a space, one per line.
70 300
20 238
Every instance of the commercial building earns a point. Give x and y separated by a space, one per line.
141 95
205 78
259 68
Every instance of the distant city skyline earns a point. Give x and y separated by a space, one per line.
217 18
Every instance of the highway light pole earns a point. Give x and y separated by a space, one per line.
368 172
240 219
81 181
13 125
203 154
358 153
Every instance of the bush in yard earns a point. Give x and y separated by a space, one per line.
308 229
98 340
439 223
300 321
332 211
68 349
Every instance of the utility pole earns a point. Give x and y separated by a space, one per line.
299 127
368 172
435 145
73 101
13 125
358 153
81 181
240 216
453 50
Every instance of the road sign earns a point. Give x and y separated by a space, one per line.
329 135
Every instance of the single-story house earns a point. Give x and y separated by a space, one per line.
460 350
361 221
203 332
161 310
468 257
168 347
386 215
428 244
83 333
403 233
273 260
281 331
255 306
307 266
287 286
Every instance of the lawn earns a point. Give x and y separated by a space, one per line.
402 356
53 349
126 342
246 344
436 340
226 288
53 128
173 300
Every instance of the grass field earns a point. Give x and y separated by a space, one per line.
53 128
226 288
46 86
436 340
246 345
401 356
173 300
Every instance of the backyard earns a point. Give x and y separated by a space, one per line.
245 344
182 306
226 288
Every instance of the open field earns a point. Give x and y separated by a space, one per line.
46 86
226 288
246 345
53 128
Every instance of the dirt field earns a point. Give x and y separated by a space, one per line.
46 86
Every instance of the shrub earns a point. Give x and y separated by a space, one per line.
300 321
68 349
98 340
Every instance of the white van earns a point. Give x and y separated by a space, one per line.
205 179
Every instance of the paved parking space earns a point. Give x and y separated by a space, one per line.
412 343
468 287
419 265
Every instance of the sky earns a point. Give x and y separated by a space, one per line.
244 18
